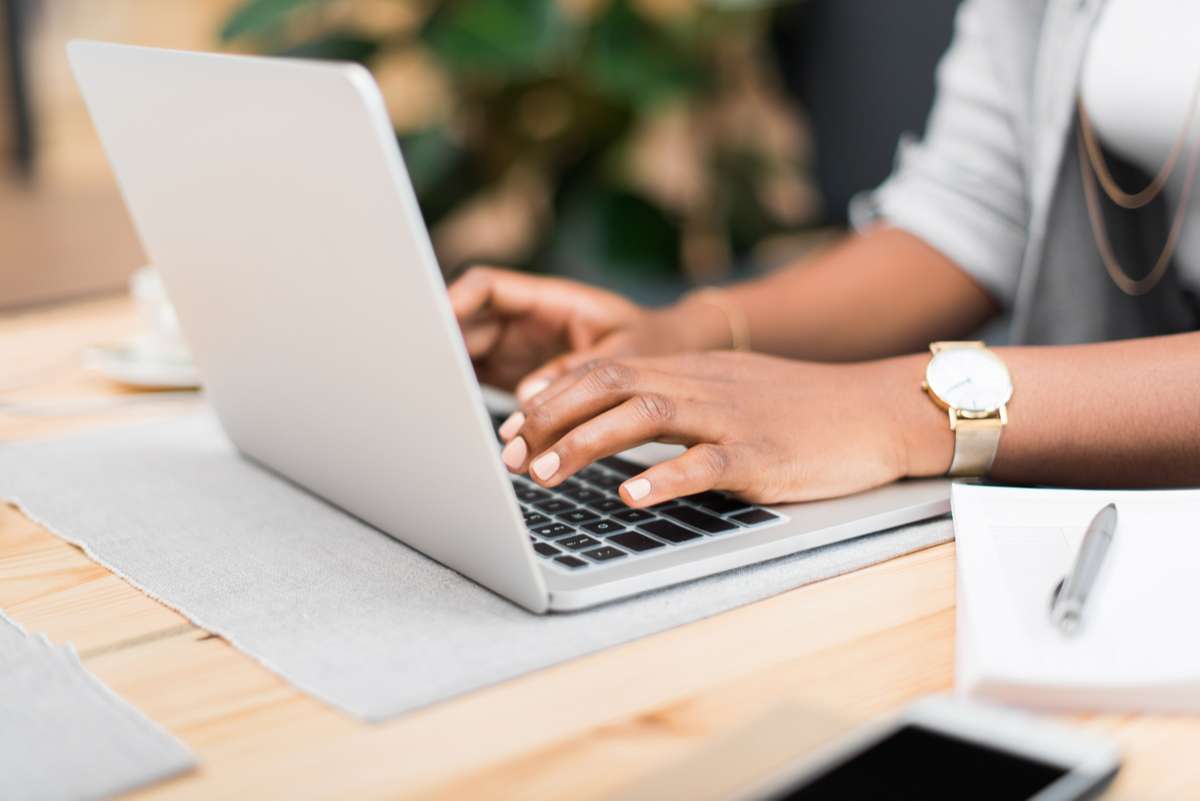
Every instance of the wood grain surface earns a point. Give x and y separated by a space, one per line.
843 650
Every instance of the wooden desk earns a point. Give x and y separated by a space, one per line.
858 646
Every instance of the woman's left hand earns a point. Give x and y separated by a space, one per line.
767 429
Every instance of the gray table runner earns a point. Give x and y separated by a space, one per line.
339 609
64 736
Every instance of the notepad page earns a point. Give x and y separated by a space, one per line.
1141 622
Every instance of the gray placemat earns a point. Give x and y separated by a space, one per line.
334 606
64 736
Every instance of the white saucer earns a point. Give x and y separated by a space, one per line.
135 365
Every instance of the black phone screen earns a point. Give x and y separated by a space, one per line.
919 764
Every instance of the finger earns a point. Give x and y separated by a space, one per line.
540 379
544 392
575 367
702 467
470 293
513 293
570 367
545 376
481 338
640 419
590 390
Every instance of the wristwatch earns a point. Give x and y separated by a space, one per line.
972 384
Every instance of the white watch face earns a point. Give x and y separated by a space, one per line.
969 379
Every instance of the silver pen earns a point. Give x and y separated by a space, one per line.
1071 594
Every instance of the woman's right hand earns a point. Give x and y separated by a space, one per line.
522 331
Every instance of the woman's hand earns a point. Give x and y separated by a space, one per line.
767 429
522 331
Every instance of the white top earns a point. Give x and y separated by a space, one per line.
991 183
1138 78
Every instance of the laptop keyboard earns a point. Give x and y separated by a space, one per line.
583 524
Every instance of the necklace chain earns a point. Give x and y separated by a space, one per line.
1095 169
1117 195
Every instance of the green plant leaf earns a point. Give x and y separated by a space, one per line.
336 45
261 18
429 157
443 173
738 173
630 58
614 230
499 38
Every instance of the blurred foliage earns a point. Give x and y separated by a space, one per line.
642 136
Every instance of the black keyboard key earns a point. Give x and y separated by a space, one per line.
607 505
718 502
658 507
577 516
700 520
635 541
570 561
607 481
603 527
530 494
622 466
555 506
590 473
604 554
545 549
755 517
583 494
553 530
534 519
578 541
666 530
633 515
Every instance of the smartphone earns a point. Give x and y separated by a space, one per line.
948 749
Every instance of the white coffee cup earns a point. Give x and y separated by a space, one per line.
161 338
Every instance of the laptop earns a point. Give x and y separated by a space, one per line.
273 198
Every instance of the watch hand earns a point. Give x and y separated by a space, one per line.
959 384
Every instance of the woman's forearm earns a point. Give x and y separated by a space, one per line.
876 294
1116 414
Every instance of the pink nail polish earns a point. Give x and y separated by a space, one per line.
527 391
510 427
545 465
637 489
514 453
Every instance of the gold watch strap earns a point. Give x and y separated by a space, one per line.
975 446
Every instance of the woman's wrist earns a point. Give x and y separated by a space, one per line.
698 323
922 429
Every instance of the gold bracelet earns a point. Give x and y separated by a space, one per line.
739 326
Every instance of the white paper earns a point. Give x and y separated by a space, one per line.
1139 647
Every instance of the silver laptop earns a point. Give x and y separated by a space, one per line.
272 196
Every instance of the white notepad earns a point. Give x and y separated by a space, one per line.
1139 649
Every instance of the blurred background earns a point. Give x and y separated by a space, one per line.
647 145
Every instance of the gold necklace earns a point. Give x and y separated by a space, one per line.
1094 168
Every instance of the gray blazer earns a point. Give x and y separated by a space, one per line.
996 185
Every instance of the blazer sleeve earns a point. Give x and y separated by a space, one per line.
962 189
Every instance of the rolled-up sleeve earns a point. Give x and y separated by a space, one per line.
962 188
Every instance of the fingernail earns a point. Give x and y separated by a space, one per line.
511 426
514 453
527 391
638 488
545 465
